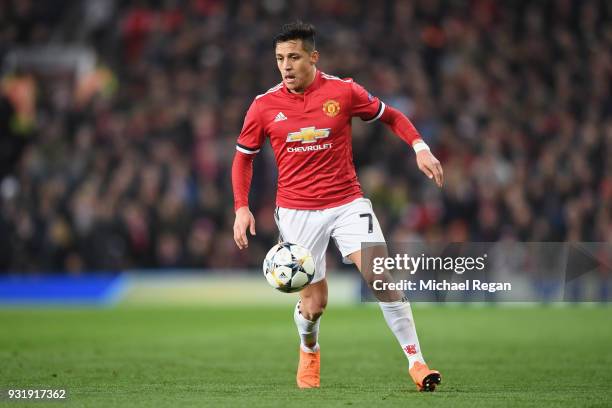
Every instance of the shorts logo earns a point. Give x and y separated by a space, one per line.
331 108
308 135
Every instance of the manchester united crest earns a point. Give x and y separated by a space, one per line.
331 108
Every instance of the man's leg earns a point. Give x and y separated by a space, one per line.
307 316
396 309
398 315
309 229
308 311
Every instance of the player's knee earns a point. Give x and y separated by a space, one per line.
370 279
313 314
312 308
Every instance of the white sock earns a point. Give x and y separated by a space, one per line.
307 329
399 319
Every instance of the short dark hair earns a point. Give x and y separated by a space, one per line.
297 30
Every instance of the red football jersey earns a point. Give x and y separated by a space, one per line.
310 135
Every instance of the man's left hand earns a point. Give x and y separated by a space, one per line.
431 166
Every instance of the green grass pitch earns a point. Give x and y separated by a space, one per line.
220 356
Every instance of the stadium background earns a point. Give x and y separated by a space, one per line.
129 165
118 121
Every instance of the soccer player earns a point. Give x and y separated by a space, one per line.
307 118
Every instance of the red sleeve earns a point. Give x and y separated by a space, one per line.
252 135
242 172
400 125
364 105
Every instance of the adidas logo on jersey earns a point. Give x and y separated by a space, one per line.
279 117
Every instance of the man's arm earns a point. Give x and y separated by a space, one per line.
370 108
249 142
242 173
402 127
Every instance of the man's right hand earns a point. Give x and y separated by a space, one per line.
244 220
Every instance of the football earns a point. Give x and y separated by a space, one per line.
288 267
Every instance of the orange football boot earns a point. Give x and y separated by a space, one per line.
424 378
309 370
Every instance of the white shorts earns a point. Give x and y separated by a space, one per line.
349 225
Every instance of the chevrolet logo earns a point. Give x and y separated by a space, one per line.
308 135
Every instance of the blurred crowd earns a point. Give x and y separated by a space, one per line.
127 165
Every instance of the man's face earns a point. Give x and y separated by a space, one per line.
296 65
